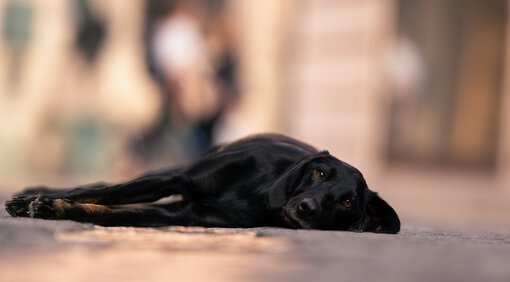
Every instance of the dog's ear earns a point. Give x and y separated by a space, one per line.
279 192
379 217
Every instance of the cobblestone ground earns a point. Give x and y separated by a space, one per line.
37 250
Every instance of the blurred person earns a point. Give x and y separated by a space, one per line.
84 92
191 54
406 72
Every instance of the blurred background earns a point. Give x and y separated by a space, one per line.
415 93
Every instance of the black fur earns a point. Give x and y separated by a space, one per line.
263 180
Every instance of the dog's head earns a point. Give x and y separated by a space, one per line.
322 192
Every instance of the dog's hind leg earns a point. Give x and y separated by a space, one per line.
144 189
141 216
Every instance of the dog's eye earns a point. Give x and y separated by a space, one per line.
347 203
319 174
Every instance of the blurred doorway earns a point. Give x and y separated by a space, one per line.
446 67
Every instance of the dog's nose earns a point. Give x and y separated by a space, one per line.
308 207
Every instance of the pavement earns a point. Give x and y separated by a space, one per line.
39 250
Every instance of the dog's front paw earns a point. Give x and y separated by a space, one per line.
18 206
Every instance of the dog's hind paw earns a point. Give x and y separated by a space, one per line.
18 206
35 206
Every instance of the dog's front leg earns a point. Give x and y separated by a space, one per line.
144 189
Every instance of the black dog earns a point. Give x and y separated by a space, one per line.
263 180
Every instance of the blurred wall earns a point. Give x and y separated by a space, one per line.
63 114
334 76
346 66
262 33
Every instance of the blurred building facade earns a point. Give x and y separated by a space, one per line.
413 92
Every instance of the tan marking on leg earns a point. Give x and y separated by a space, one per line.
91 208
60 207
